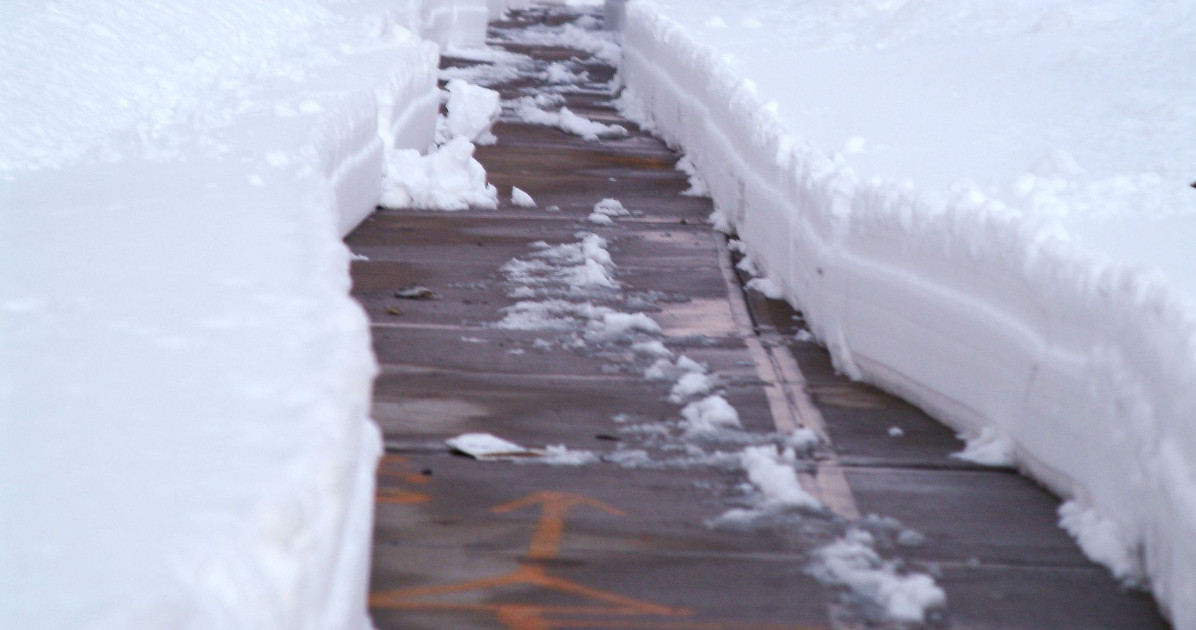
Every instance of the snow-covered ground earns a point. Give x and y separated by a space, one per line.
982 205
185 382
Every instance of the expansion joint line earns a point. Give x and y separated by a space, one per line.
788 401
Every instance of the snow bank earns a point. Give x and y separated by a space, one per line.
981 206
185 382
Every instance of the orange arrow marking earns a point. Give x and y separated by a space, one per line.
546 541
520 616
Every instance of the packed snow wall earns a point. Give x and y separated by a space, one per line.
1073 349
185 382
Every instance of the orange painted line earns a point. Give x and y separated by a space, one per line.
546 540
398 496
528 575
673 625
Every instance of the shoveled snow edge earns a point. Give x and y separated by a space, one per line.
1055 348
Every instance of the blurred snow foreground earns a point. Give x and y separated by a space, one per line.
185 382
981 205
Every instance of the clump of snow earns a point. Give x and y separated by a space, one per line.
689 385
767 286
852 561
482 74
559 73
614 325
577 267
529 111
472 111
989 448
664 369
630 458
697 185
521 199
652 348
748 265
803 439
559 455
896 432
600 219
549 315
611 208
448 178
1102 540
774 479
709 415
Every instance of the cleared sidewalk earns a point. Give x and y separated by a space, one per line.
627 526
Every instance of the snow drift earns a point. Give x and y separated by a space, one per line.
185 381
980 206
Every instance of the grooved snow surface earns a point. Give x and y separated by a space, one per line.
982 205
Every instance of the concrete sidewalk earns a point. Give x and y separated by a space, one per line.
631 537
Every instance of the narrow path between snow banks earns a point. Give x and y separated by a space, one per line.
590 425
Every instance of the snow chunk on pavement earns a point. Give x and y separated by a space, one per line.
600 219
559 455
521 199
472 111
448 178
767 286
852 562
710 414
611 208
548 315
614 325
527 110
654 348
689 385
775 480
989 448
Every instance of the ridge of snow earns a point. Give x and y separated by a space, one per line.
971 245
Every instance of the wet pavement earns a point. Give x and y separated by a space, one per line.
631 536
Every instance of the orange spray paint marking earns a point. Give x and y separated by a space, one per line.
546 541
398 496
396 469
522 616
